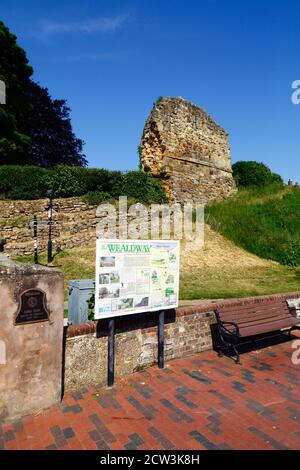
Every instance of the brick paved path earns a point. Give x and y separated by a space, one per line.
202 402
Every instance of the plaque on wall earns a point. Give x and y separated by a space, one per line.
32 307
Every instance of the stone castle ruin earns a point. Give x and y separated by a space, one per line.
183 147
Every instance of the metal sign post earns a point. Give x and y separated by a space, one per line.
161 342
50 195
111 347
34 224
111 353
35 235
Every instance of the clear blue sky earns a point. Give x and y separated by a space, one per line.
111 59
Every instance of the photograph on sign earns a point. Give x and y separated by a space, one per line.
135 276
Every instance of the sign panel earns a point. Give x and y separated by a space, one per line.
135 276
32 307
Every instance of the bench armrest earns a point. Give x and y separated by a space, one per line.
237 330
222 325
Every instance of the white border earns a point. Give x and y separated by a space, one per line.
153 309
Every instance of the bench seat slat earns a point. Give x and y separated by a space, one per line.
262 316
257 317
252 307
252 322
267 327
240 314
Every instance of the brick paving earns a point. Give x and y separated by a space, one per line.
200 402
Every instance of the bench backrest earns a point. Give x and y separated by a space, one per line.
258 317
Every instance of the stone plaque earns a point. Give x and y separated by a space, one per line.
32 307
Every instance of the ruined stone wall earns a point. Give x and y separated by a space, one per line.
75 224
188 151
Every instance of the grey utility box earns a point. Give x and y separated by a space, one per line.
79 293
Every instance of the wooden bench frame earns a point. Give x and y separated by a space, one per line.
230 331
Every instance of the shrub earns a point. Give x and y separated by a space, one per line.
67 181
91 307
102 180
143 187
254 174
94 198
23 182
31 182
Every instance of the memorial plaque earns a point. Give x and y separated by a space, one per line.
32 307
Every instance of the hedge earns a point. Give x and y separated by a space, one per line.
255 174
31 182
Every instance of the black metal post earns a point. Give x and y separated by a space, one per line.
50 207
111 353
35 238
161 343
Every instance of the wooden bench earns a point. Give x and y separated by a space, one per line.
242 321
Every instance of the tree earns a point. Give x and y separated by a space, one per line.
15 73
252 173
50 129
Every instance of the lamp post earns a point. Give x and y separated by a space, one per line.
50 195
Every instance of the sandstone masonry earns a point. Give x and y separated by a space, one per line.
75 224
188 151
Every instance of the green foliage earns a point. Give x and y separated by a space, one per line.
265 222
67 181
254 174
159 100
34 128
23 182
15 72
31 182
48 124
91 307
94 198
143 187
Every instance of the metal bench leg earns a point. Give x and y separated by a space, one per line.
220 352
238 360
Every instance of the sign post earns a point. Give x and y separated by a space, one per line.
111 353
135 276
35 227
50 195
34 224
161 342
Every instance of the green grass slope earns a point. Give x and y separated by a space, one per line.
264 221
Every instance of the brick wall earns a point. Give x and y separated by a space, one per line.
187 332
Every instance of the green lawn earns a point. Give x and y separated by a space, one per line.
195 283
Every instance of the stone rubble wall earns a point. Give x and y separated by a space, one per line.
188 151
75 224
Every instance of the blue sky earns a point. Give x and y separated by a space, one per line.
111 60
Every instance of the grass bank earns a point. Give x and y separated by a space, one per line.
263 221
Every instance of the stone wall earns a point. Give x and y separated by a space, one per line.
75 224
188 151
187 332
